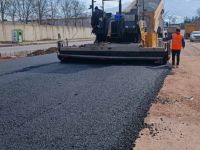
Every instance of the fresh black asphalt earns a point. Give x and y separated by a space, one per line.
47 105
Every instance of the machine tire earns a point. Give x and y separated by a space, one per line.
164 60
62 60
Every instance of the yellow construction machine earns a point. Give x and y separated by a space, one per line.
132 34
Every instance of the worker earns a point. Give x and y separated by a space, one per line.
97 14
98 11
177 43
96 22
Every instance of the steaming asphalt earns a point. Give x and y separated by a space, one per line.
75 106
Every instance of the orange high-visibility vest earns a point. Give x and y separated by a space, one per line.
177 41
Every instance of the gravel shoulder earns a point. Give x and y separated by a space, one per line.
173 121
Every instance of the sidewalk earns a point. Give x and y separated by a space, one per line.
27 48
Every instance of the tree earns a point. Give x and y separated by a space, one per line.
174 19
198 12
24 10
165 15
41 9
66 10
3 8
77 9
53 9
169 17
187 20
12 10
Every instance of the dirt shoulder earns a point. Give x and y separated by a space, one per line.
6 58
35 53
173 122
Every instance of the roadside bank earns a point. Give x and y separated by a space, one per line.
173 122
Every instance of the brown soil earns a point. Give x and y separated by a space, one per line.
51 50
43 52
35 53
173 122
7 58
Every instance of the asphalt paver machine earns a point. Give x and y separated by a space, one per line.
134 33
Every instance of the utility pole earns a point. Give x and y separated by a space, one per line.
120 7
103 5
143 9
92 6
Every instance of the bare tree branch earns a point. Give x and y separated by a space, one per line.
77 9
3 8
41 9
12 10
66 8
24 10
198 12
53 9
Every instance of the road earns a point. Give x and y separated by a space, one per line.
14 50
75 106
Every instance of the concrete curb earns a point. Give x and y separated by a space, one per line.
43 42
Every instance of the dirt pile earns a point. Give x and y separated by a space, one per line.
7 58
43 52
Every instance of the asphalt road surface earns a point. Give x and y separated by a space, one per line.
47 105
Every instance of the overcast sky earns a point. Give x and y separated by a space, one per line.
180 8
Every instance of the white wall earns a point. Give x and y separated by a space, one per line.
35 32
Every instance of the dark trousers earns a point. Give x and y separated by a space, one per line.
176 55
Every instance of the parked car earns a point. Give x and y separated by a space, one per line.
195 36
